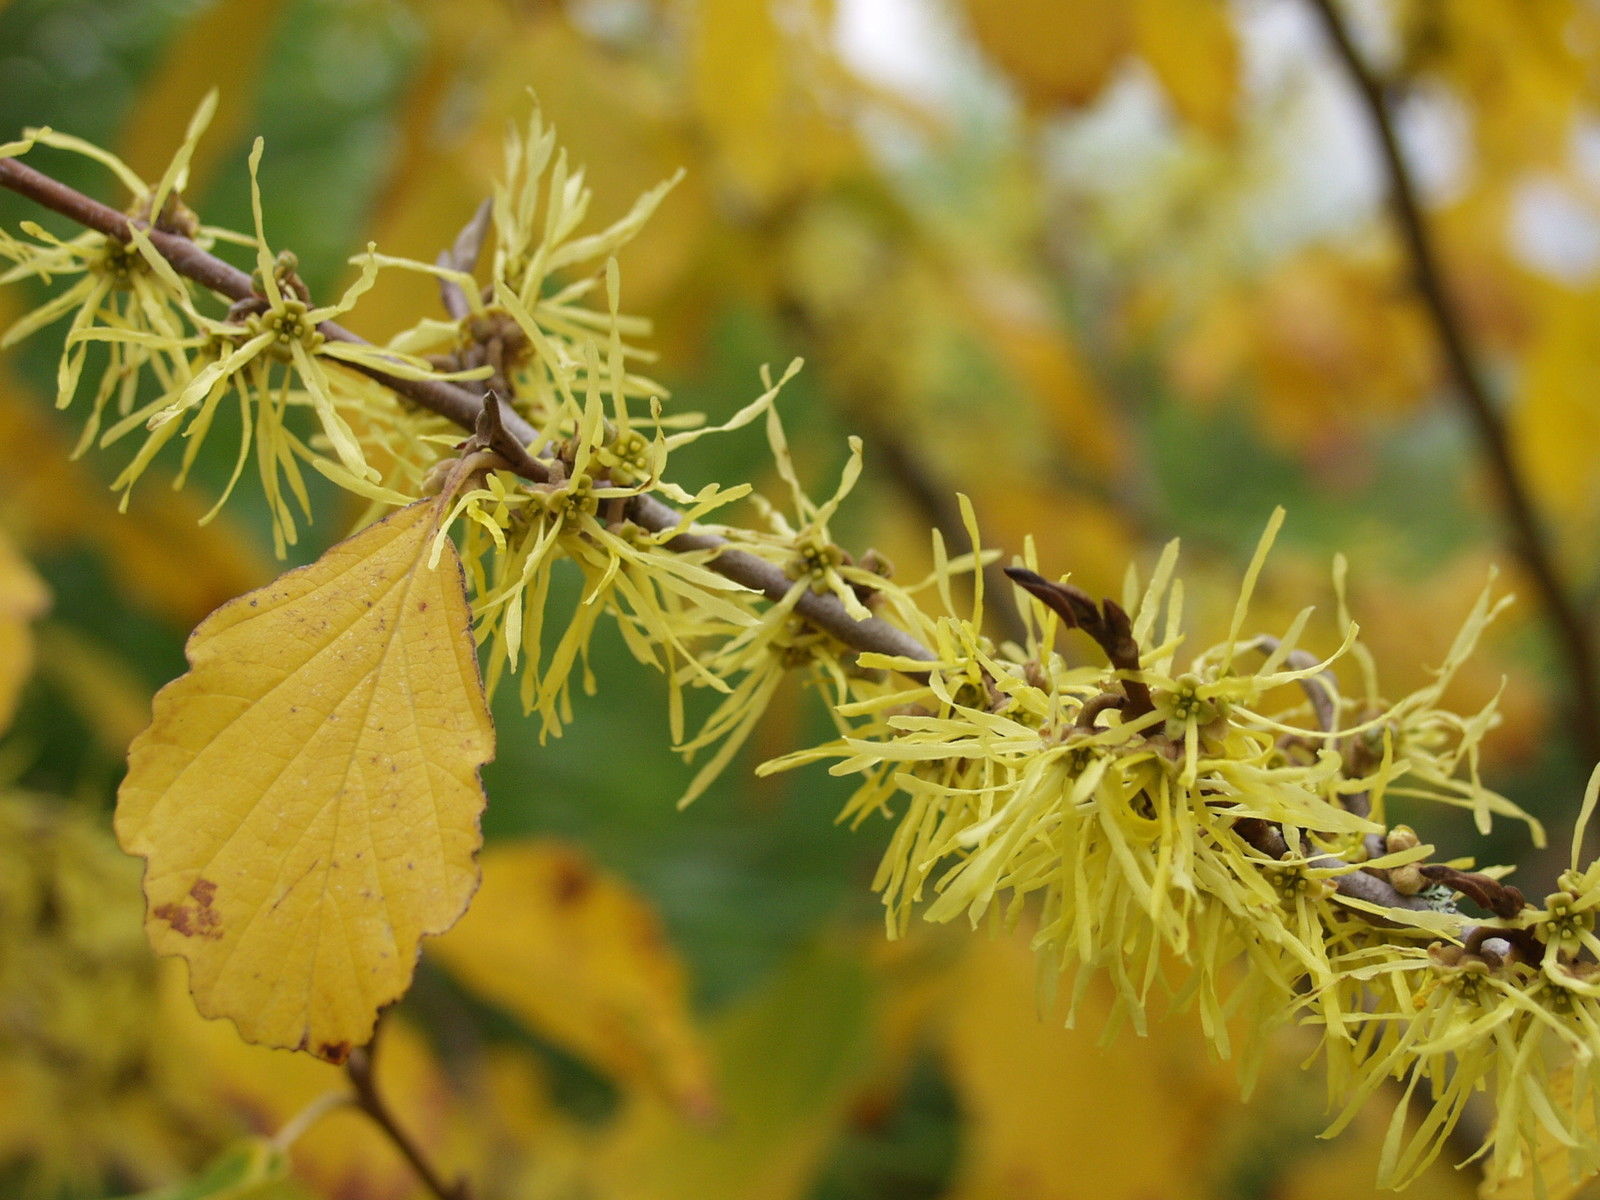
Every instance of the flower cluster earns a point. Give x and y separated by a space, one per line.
1211 829
169 365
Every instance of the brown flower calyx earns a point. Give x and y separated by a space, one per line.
1106 623
1501 899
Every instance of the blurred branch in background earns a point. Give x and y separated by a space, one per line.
1527 538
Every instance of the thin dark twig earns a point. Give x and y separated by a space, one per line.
1527 539
491 428
359 1070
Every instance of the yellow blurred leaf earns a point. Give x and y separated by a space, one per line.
1555 425
581 958
1054 1115
1498 292
161 555
22 598
756 67
83 1067
1330 337
739 90
307 796
1522 68
224 46
1190 45
1055 51
530 1147
111 698
789 1061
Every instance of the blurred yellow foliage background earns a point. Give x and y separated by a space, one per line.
1119 272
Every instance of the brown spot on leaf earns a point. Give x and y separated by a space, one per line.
193 920
334 1052
571 882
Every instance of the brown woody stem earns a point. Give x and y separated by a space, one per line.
359 1070
1359 885
1527 539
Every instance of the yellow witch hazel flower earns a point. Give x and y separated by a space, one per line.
764 651
535 323
665 600
1565 925
267 351
566 367
758 656
1439 748
271 355
1510 1007
808 554
1134 800
114 289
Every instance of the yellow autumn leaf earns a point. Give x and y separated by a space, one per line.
224 46
22 598
739 87
76 988
1521 70
1190 45
1052 1112
1555 424
1328 338
1055 51
761 82
790 1060
582 959
307 797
